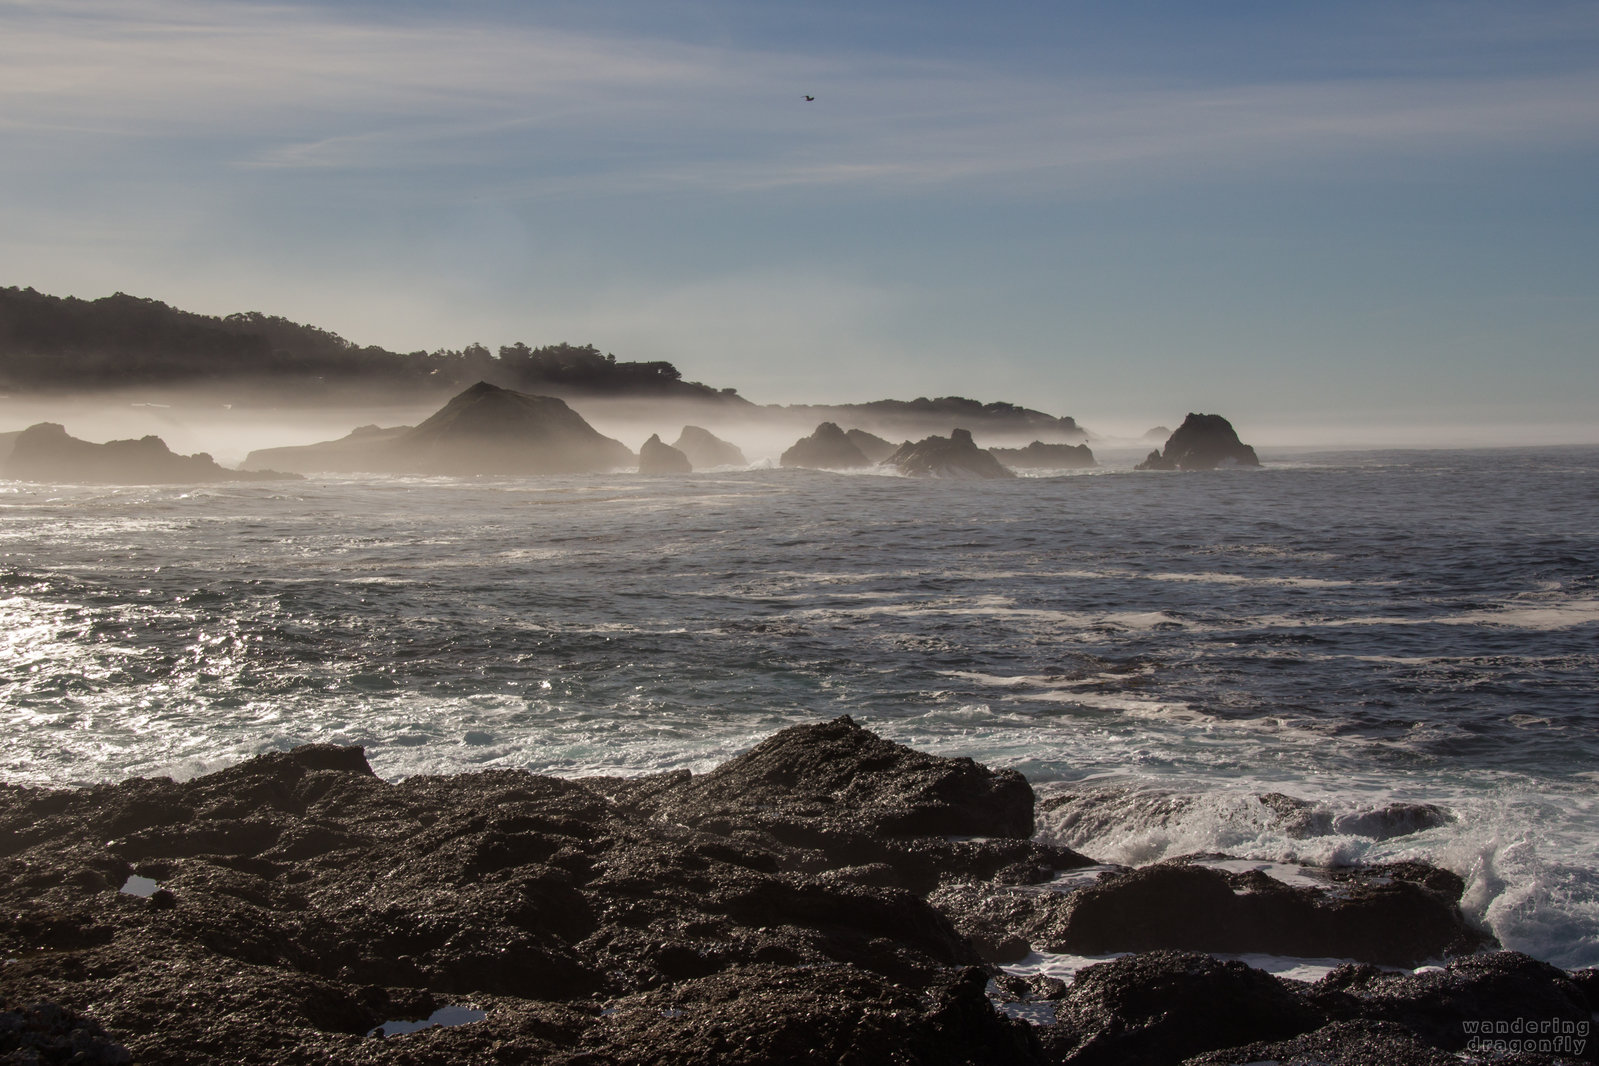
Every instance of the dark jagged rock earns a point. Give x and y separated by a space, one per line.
1165 1006
45 452
875 448
828 896
304 902
1491 996
45 1033
1202 442
826 449
705 450
1041 456
1339 1044
955 456
658 457
1396 915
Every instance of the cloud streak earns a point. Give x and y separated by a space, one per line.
542 111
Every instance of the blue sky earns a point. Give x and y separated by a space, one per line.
1382 217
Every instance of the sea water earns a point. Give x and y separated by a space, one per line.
1353 630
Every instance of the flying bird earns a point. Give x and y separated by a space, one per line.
810 98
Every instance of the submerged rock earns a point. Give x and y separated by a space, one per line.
705 450
658 457
1202 442
45 452
954 456
828 448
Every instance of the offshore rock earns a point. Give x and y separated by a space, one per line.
483 430
955 456
658 457
828 448
354 453
1041 456
45 452
705 450
875 448
1202 442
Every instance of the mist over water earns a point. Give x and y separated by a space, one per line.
1353 630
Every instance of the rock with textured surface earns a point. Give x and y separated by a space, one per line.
954 456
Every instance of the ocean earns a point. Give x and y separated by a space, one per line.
1351 629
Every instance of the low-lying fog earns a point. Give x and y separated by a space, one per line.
230 428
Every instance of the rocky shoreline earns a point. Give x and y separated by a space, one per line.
827 897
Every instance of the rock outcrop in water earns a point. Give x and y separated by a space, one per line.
484 430
1041 456
46 452
828 448
357 452
706 450
954 456
875 448
827 897
1202 442
658 457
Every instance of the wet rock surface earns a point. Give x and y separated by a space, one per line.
827 897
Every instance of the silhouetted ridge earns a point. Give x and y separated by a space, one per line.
55 344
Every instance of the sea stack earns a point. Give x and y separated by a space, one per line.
826 449
1202 442
705 449
954 456
658 457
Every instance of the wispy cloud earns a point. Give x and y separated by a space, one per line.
542 110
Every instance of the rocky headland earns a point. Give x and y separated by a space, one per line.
46 452
1202 442
827 897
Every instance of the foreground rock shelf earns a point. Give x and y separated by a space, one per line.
828 897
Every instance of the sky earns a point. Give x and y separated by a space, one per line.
1313 218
